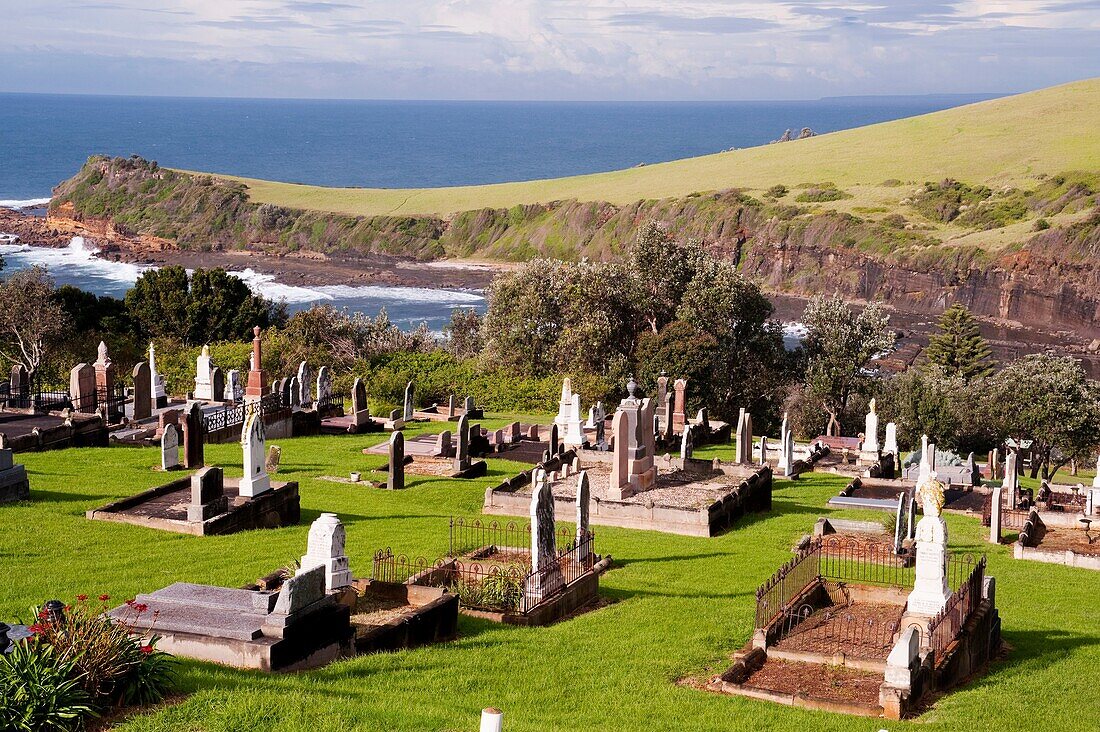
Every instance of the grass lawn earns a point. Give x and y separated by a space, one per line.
999 142
683 604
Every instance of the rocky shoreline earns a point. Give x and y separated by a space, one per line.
300 269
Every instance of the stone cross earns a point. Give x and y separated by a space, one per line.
584 547
143 391
930 589
208 497
256 479
305 381
545 578
462 452
395 479
325 548
409 399
203 384
169 448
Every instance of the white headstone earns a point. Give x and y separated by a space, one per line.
204 386
255 480
1011 482
930 590
305 381
409 399
891 443
565 406
326 549
995 507
324 383
156 380
574 433
170 448
924 473
686 448
870 432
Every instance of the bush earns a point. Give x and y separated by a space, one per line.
1041 225
40 690
822 193
776 191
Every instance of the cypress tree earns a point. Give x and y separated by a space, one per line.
959 347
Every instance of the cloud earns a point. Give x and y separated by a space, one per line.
575 49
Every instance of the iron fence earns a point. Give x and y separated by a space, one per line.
1011 518
944 628
332 401
791 580
848 559
837 629
475 537
234 416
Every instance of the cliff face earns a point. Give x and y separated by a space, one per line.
1049 279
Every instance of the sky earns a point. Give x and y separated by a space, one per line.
545 49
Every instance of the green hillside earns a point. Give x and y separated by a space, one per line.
1000 142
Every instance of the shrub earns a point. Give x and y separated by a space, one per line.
822 193
1041 225
40 690
776 191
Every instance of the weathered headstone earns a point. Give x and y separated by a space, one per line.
890 445
555 447
208 497
295 392
395 478
193 437
584 546
326 548
574 433
744 438
82 388
679 409
157 390
168 417
257 379
702 419
105 386
253 446
1011 482
204 385
274 459
143 394
763 450
900 518
869 451
686 448
300 591
995 509
451 407
410 398
462 452
305 382
217 384
565 404
930 590
19 386
513 433
619 487
284 388
468 406
443 446
545 578
169 448
360 412
234 391
324 385
661 411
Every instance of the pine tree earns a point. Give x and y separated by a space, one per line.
959 347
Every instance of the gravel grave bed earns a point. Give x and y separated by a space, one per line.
833 683
673 488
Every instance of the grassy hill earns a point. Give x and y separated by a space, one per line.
1003 142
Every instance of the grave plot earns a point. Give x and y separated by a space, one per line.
533 574
1059 538
207 502
851 626
14 485
388 616
434 455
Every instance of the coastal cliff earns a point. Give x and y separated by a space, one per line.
1026 256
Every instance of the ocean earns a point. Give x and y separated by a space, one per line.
45 138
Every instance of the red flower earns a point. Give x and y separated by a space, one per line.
104 598
140 607
37 628
146 649
43 615
82 598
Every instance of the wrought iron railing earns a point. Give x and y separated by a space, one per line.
331 402
234 416
944 628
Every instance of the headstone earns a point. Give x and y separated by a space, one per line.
995 507
703 420
360 412
326 548
19 386
234 391
409 400
574 433
468 406
763 450
274 459
294 392
743 453
785 456
169 448
193 428
565 406
300 591
555 447
662 413
451 407
305 381
869 450
545 578
168 417
217 384
208 497
930 589
462 452
924 472
443 447
686 448
105 386
395 479
584 547
143 391
157 391
890 445
257 379
283 389
993 463
255 480
619 487
324 384
533 432
899 523
679 408
1011 482
514 433
204 387
82 388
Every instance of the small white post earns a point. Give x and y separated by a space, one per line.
492 720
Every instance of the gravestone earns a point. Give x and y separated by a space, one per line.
743 453
143 391
255 480
468 406
305 381
217 384
443 447
891 443
679 408
208 497
686 448
257 379
995 508
284 389
294 392
514 433
545 578
234 392
619 487
274 459
930 589
662 413
900 517
105 386
565 405
993 462
326 548
924 471
82 391
14 484
462 452
869 451
169 448
763 450
360 412
395 480
1011 482
204 384
584 546
20 386
305 588
409 399
324 385
157 390
555 448
702 419
193 437
574 433
785 456
168 417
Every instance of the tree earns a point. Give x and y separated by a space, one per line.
1048 400
661 270
680 349
208 305
464 333
838 345
929 401
31 320
959 348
